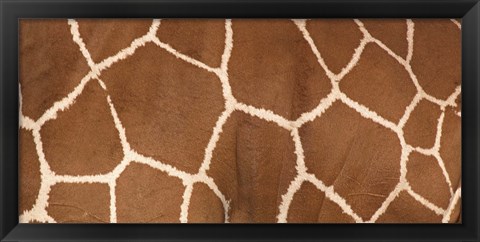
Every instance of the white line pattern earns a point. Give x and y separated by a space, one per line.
49 178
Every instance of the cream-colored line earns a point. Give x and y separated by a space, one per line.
433 99
383 208
45 170
302 26
368 114
152 31
27 123
441 163
451 206
458 24
425 202
102 84
334 197
24 121
451 99
410 34
420 89
409 109
118 170
74 30
324 104
300 163
438 135
38 212
226 203
181 56
354 60
401 185
124 53
228 46
217 130
287 198
20 99
170 170
222 72
187 194
118 125
379 43
264 114
436 151
65 102
113 201
130 50
423 151
404 156
102 178
390 52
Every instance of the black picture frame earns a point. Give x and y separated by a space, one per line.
12 10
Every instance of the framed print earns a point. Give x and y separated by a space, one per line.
362 129
239 120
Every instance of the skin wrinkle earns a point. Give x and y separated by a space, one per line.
289 111
79 208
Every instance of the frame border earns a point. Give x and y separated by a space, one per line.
12 10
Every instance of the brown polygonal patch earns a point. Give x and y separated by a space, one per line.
336 40
273 67
28 170
421 127
167 106
50 63
306 204
437 56
147 195
79 203
342 126
392 32
83 139
450 146
253 164
380 83
106 37
426 178
364 163
405 209
205 206
203 40
330 212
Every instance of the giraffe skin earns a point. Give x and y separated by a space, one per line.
240 121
